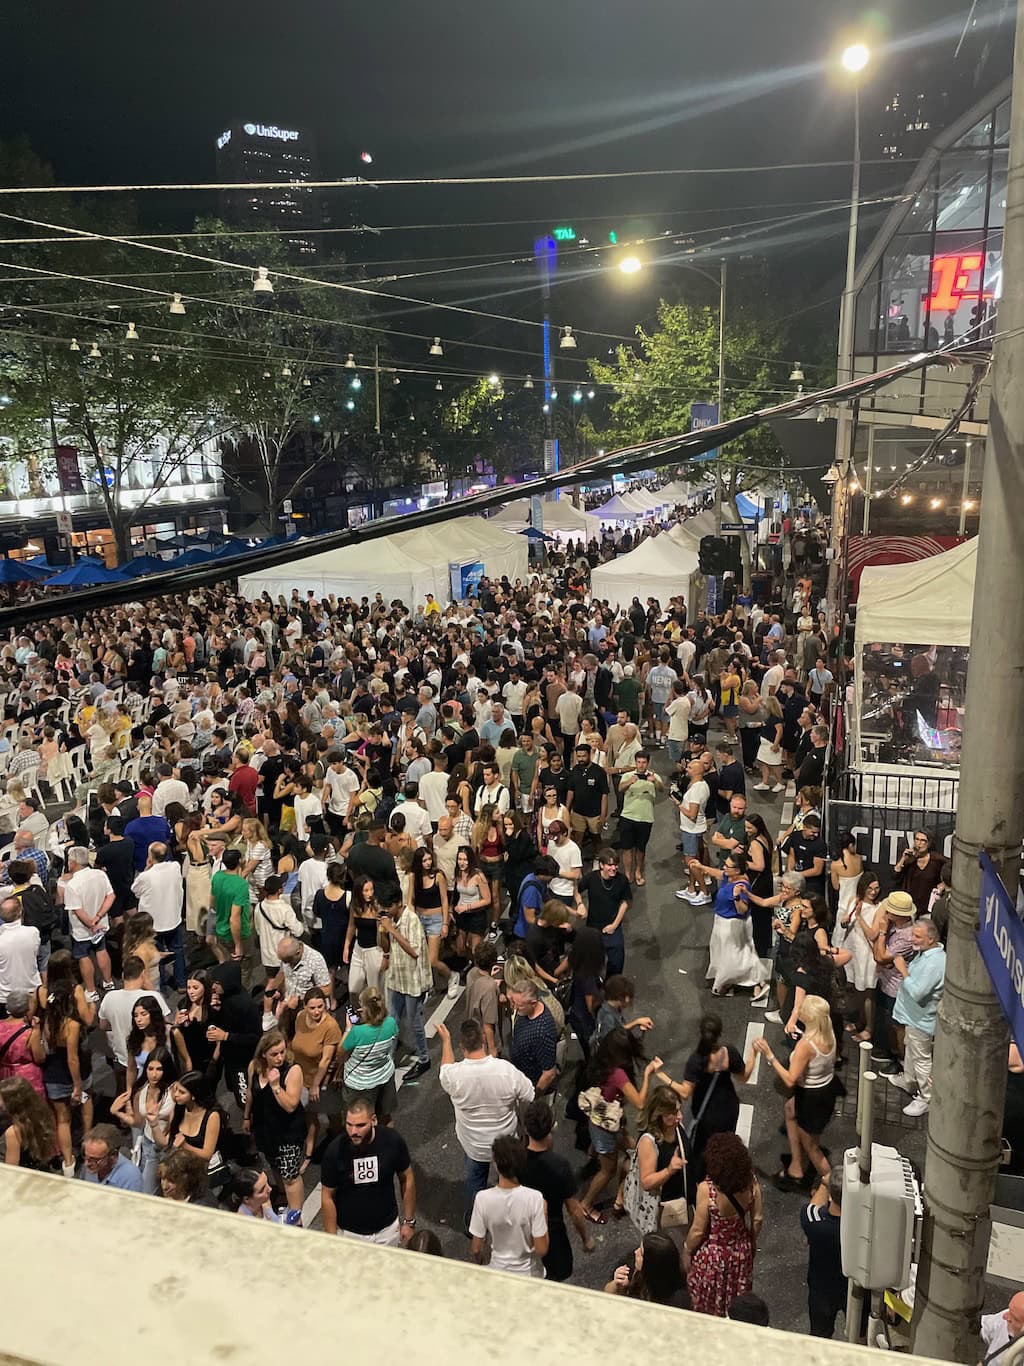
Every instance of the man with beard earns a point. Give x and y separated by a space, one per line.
358 1173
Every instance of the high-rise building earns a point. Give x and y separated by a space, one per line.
259 152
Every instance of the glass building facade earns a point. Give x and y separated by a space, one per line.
933 275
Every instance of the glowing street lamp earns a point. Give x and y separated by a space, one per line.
630 265
855 58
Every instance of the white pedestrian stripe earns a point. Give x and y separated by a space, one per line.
743 1123
311 1206
441 1014
755 1030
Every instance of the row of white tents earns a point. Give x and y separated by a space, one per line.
406 565
562 518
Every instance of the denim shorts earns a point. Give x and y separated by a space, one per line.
691 843
433 924
81 948
603 1141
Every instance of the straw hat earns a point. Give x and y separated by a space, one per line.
901 904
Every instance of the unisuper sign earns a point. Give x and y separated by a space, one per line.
1000 939
270 130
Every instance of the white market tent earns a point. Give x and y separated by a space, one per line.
644 498
658 568
927 602
560 517
689 533
406 565
676 492
618 509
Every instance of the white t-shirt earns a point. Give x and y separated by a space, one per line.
161 893
685 653
116 1011
484 1092
496 796
772 678
19 947
568 707
433 790
312 876
417 822
304 808
170 790
567 856
698 792
86 891
678 713
513 694
514 1218
341 787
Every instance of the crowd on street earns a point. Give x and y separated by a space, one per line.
251 847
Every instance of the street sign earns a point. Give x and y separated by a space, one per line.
738 526
1000 937
287 505
64 523
704 415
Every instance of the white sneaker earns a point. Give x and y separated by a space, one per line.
699 900
918 1106
904 1083
454 987
683 894
761 787
779 787
773 1016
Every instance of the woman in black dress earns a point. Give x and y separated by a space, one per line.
760 852
192 1022
708 1086
331 907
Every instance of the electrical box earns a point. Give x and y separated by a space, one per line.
879 1219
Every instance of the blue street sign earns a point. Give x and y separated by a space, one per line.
738 526
704 415
1000 937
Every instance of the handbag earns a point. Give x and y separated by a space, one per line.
676 1213
605 1114
641 1205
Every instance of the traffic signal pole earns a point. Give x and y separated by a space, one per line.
970 1060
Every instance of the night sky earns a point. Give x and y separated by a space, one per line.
115 91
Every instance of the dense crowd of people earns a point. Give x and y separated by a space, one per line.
248 843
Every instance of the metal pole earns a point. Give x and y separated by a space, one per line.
721 393
971 1038
964 490
376 389
869 475
844 372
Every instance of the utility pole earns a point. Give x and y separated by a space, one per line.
376 389
721 394
844 372
970 1061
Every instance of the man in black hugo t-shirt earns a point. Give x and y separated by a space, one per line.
358 1174
826 1284
551 1174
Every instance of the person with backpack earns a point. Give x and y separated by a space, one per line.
37 909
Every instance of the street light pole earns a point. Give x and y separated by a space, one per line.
854 60
721 393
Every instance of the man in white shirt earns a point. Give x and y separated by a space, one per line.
773 676
999 1330
659 689
569 857
169 789
492 792
19 952
417 822
567 709
313 874
678 713
511 1215
87 896
514 692
484 1092
340 786
693 824
433 788
161 893
447 843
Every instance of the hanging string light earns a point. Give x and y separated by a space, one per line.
132 333
262 283
94 353
176 307
568 341
436 349
74 345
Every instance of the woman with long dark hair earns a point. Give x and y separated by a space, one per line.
149 1030
612 1071
29 1139
148 1106
331 906
587 968
655 1275
708 1084
192 1021
853 931
723 1235
362 949
760 852
62 1073
429 896
196 1122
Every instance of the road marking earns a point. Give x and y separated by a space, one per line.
755 1030
788 801
743 1123
311 1206
442 1012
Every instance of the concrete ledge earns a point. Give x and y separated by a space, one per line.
92 1276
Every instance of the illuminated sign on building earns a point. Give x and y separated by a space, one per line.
564 234
270 130
956 278
224 139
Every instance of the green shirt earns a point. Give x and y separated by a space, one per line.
628 693
638 801
730 828
230 890
371 1054
524 766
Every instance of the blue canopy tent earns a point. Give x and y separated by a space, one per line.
146 564
20 571
748 508
81 574
190 557
533 533
232 547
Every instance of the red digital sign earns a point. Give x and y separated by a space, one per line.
955 278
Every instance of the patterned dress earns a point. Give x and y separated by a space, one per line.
723 1266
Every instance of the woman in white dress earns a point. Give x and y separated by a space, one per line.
733 959
853 927
845 872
